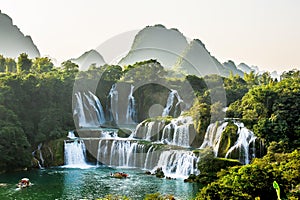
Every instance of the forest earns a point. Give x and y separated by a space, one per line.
36 107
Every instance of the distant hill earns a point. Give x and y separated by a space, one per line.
231 67
172 49
197 60
88 58
13 42
245 68
156 42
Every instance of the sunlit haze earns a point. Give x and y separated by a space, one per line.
261 33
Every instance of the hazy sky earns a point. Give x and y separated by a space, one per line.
265 33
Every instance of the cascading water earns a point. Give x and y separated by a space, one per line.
113 98
71 135
88 110
79 111
117 152
41 155
177 132
177 163
242 145
40 160
148 157
98 108
159 143
75 154
136 153
131 112
170 103
148 130
213 136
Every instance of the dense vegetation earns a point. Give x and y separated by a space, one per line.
270 108
256 179
36 107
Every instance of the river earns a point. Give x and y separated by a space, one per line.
90 183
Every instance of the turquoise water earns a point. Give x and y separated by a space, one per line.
91 183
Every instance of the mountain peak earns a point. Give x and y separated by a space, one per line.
156 42
13 41
88 58
198 42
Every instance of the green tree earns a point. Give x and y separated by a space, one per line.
256 179
271 110
111 73
235 88
265 78
43 64
24 63
2 63
69 66
14 147
290 74
11 65
149 70
251 79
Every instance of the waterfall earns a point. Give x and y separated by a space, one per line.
98 108
242 146
71 135
246 137
79 111
149 153
131 112
213 135
113 99
178 163
121 153
170 102
75 154
148 130
40 156
132 154
177 132
88 110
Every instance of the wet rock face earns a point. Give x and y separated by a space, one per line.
13 41
49 154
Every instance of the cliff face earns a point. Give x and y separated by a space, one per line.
13 42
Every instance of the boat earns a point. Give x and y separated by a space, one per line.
24 183
119 175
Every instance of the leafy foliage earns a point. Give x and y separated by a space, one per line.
272 110
14 147
256 179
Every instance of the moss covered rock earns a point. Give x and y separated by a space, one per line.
53 153
228 139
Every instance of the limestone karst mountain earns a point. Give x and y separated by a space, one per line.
231 67
173 50
196 60
89 58
156 42
13 42
245 68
